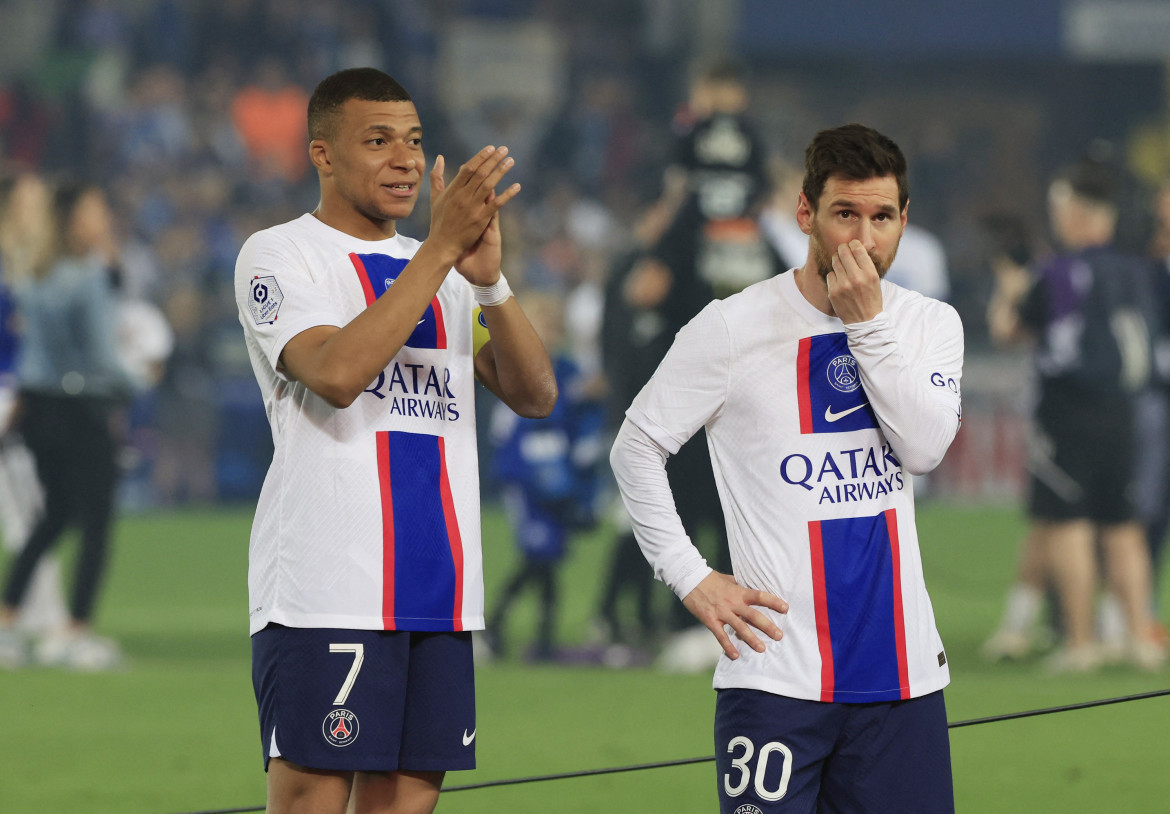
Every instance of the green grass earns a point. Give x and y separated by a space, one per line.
177 731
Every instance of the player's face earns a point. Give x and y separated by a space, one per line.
376 158
854 210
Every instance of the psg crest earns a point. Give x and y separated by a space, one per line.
748 808
843 374
340 727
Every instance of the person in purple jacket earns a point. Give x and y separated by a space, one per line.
1085 309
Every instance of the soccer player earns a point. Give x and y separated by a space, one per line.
1088 310
821 391
365 564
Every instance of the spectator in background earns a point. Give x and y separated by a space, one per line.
26 122
1154 409
714 247
270 118
777 219
634 338
26 248
548 470
1087 311
718 177
72 384
921 264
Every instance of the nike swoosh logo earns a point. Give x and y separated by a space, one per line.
830 416
467 739
421 321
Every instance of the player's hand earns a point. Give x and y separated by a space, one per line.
464 209
855 288
1012 280
648 284
719 600
480 264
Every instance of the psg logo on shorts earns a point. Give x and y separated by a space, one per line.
748 808
843 375
340 727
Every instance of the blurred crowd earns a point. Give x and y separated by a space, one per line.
190 116
653 180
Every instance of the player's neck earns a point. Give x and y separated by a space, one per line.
813 288
354 223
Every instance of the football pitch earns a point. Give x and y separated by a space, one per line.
176 731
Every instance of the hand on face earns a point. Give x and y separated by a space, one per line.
465 214
855 287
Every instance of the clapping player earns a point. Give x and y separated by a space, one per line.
365 570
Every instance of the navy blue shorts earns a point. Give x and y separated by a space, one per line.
777 755
365 700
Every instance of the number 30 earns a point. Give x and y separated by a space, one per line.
745 772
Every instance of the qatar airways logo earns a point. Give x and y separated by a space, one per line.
847 476
418 391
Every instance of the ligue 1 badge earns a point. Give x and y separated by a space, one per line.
340 727
843 374
264 299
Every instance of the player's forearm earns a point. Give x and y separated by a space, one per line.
639 467
918 409
338 364
521 373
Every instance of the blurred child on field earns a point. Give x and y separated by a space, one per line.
548 471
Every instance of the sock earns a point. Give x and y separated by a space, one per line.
1021 608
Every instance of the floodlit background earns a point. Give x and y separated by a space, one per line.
190 115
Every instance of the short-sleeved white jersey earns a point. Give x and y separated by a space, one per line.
814 429
369 516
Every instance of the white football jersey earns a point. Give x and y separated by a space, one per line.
814 429
369 516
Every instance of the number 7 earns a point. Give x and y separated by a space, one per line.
359 655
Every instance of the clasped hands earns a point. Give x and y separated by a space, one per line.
465 213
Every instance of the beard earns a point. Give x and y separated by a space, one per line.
824 260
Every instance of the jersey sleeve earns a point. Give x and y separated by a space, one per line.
690 385
914 392
688 389
639 467
278 295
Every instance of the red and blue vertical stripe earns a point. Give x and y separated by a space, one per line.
857 598
828 396
376 273
422 549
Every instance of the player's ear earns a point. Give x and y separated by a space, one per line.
319 156
804 213
905 214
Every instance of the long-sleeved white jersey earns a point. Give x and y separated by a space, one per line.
814 429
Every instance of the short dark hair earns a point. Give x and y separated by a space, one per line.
1092 180
66 197
366 84
723 71
856 152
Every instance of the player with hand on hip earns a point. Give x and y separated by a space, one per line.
821 391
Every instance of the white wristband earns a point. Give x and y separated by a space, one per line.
494 294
